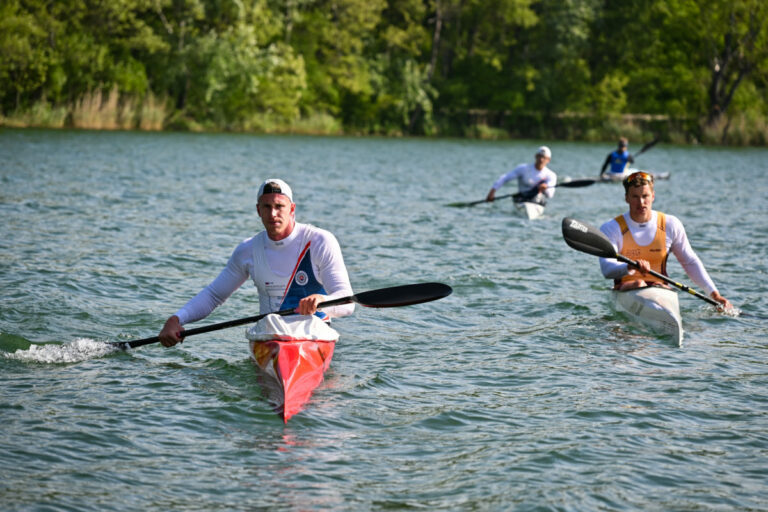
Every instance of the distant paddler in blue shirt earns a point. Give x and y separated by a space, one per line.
293 265
534 181
618 160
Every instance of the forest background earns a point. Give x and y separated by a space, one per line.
688 71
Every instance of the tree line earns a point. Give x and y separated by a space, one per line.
690 70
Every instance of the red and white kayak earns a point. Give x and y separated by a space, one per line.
291 355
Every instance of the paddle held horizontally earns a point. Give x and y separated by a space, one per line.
395 296
516 195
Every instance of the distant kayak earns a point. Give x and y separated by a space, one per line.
531 208
611 177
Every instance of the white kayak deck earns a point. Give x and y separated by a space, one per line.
533 208
529 210
653 306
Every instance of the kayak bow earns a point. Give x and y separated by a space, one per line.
291 357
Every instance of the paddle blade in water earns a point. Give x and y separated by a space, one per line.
587 238
405 295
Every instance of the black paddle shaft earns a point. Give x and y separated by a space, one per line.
395 296
647 146
587 238
521 195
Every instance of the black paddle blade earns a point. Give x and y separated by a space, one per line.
576 183
481 201
587 238
464 205
405 295
647 146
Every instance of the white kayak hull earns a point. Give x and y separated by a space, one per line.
653 306
530 210
533 207
610 177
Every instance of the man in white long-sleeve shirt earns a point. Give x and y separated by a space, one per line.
293 265
648 237
534 181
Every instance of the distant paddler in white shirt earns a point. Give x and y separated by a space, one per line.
293 265
534 181
648 236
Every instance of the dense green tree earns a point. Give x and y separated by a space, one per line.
686 57
332 36
100 44
403 96
23 57
477 56
555 50
733 47
393 66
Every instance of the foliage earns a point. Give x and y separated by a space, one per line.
466 67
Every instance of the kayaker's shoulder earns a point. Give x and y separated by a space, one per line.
610 225
318 235
247 244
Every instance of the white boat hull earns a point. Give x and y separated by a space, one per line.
655 307
533 208
530 210
617 177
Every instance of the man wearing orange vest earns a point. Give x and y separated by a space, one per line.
648 237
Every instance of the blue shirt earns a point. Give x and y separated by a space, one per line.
619 161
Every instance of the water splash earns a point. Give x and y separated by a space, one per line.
81 349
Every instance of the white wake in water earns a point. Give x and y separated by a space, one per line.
81 349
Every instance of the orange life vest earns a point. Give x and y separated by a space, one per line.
655 252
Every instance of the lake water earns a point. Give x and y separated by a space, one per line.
523 390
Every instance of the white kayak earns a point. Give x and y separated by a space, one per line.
533 208
654 306
611 177
530 210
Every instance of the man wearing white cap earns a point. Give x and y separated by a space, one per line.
532 179
293 265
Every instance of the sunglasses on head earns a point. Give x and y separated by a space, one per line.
638 178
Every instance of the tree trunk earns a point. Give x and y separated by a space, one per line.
435 40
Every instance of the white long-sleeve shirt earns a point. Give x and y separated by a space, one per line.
644 233
281 257
528 176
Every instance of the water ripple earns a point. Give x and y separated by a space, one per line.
523 390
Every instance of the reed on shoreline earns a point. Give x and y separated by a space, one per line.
111 110
95 110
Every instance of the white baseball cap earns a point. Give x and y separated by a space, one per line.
275 186
544 150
